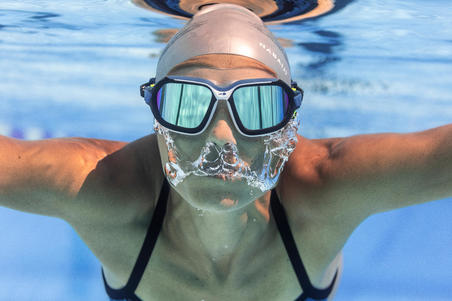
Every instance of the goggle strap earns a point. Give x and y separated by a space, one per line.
298 94
150 83
298 99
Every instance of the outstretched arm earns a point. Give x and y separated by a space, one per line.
41 176
387 171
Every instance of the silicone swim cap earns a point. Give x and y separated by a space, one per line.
225 29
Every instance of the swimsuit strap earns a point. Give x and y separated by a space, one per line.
146 249
151 238
289 243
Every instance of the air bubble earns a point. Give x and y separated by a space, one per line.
225 161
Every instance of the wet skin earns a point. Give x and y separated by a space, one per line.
107 191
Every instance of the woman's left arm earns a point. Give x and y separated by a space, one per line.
380 172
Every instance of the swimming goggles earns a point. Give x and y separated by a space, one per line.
257 106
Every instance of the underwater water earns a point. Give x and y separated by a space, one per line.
73 68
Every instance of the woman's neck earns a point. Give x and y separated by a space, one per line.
217 234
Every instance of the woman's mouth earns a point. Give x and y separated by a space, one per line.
228 177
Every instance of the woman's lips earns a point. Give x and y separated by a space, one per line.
228 177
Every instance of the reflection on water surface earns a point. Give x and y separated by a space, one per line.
272 12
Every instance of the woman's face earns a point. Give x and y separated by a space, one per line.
236 159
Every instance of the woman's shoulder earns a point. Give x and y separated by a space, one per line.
122 185
305 163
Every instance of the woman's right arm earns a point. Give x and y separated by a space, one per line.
42 176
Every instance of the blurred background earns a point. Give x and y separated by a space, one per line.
73 68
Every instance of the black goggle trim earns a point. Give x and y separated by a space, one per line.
295 93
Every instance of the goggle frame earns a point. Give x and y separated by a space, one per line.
148 92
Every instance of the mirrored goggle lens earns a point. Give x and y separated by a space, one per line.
183 105
261 107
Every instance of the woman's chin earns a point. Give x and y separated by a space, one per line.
224 205
217 193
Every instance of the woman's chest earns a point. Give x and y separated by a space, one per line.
261 270
263 273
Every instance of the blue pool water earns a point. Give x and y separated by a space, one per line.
72 68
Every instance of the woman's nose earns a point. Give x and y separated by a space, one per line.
221 131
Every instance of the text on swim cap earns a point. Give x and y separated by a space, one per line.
275 56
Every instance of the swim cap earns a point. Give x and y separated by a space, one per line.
225 29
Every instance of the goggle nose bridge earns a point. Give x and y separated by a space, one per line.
222 95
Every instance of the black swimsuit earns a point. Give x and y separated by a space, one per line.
127 293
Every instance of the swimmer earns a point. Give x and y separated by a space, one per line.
225 201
